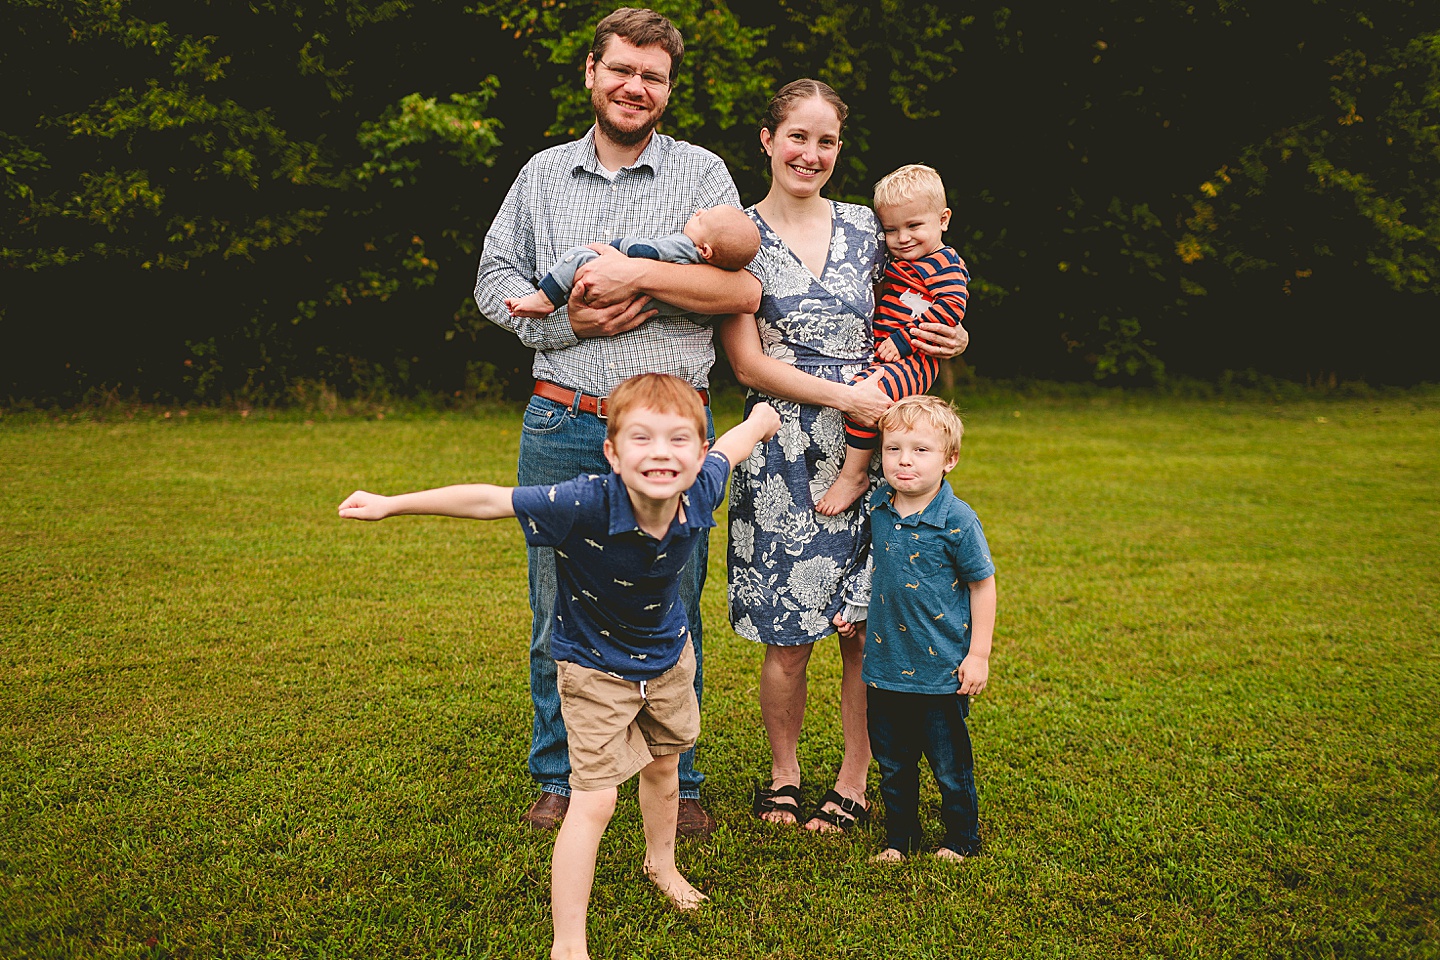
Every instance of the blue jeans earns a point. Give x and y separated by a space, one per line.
902 727
557 443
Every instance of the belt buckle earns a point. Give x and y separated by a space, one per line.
600 407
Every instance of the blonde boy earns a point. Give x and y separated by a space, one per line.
931 624
925 282
622 645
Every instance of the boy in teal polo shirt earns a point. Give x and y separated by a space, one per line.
932 618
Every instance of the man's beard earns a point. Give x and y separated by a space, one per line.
616 135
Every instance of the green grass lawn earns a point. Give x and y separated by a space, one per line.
232 724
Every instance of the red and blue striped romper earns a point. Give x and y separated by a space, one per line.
933 289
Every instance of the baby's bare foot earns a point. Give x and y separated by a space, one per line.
677 889
843 492
888 855
535 305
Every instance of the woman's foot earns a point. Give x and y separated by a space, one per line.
953 856
778 804
888 855
676 889
838 813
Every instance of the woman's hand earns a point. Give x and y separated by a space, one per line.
940 340
865 402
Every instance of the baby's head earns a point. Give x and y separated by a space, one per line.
910 204
725 236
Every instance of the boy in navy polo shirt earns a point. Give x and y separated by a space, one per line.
626 667
932 618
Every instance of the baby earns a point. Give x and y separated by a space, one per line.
721 236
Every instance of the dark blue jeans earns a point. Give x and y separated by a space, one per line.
903 726
558 443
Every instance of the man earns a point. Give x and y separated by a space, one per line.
621 178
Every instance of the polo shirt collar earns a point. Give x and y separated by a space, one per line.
936 512
622 514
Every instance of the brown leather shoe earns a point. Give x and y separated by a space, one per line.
692 819
547 812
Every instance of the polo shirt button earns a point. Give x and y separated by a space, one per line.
897 526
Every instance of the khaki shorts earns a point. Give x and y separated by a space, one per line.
614 732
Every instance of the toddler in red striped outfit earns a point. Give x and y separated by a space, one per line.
925 282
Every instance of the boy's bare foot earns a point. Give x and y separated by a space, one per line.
945 853
535 305
888 855
847 488
677 889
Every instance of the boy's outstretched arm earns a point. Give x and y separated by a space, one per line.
469 501
975 668
737 442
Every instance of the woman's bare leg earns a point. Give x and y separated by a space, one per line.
850 782
782 707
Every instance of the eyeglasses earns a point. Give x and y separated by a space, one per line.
654 81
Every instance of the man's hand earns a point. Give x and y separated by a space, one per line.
589 321
940 340
610 278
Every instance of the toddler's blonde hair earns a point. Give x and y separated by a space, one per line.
923 410
914 181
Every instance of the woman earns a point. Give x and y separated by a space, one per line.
792 571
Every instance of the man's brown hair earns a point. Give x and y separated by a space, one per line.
643 28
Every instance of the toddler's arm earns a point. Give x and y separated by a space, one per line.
975 668
940 328
737 442
470 501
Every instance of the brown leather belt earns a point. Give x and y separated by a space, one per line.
588 404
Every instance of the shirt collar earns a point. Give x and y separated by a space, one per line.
935 514
622 514
588 160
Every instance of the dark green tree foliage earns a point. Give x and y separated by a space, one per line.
1091 139
219 199
216 199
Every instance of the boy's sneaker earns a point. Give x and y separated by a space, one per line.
692 820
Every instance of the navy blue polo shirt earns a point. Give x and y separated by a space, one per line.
919 620
617 606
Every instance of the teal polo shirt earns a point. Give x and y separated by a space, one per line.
919 621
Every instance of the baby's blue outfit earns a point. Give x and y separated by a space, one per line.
675 248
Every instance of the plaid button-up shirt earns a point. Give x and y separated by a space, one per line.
562 199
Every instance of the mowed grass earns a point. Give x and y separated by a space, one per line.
232 724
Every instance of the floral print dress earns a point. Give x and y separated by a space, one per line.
791 569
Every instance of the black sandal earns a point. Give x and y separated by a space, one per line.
765 802
848 815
